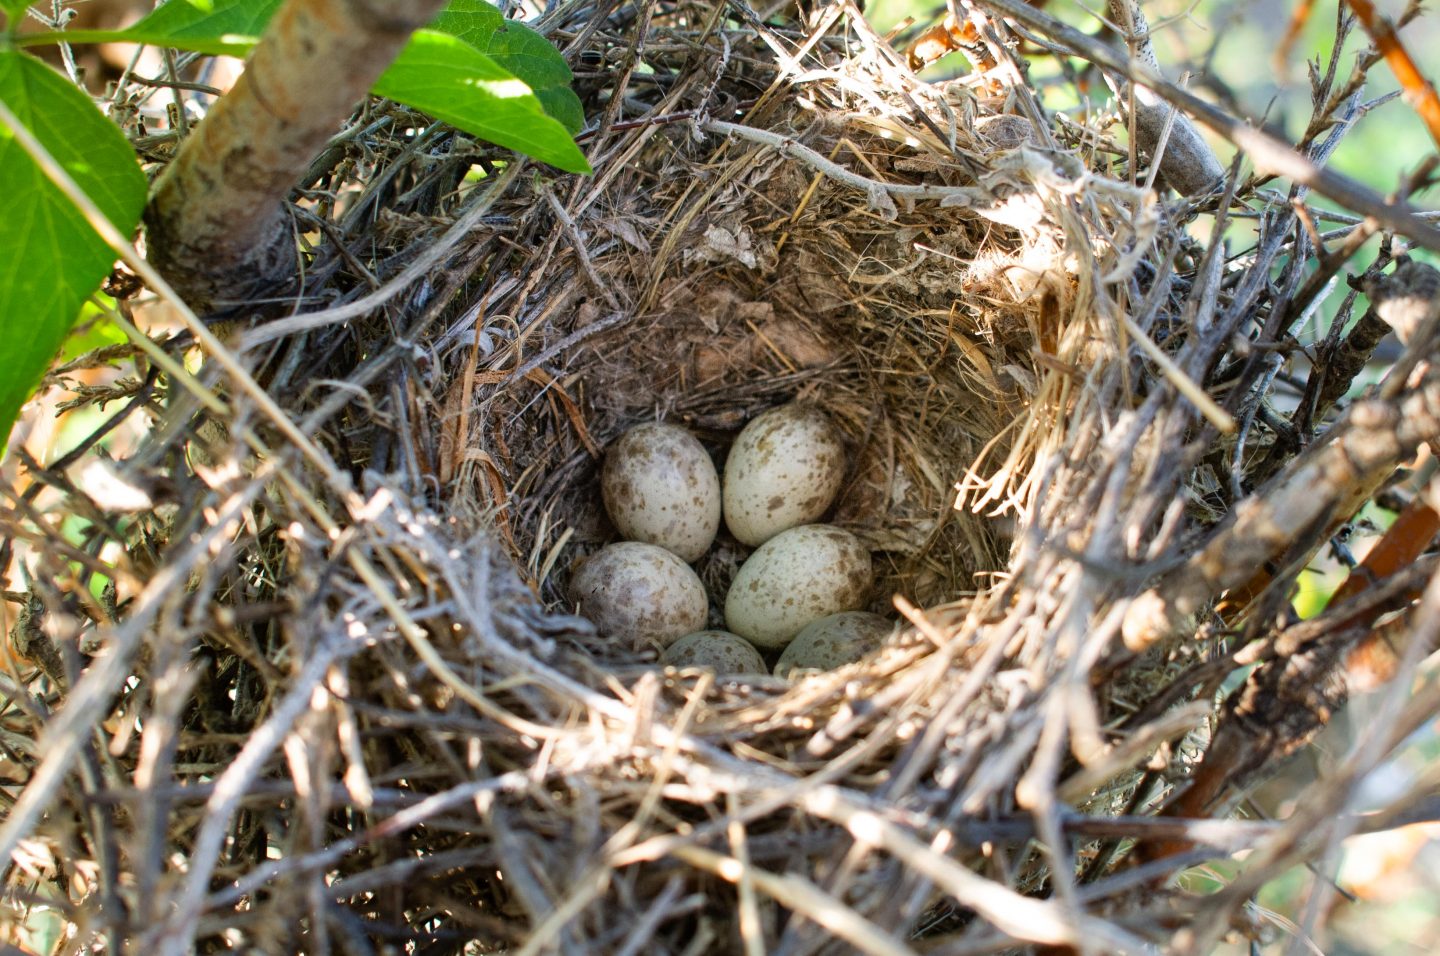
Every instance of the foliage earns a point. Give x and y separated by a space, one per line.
53 258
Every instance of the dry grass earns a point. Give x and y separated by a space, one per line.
330 697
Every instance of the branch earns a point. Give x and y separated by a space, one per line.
1329 481
1186 162
1419 92
217 224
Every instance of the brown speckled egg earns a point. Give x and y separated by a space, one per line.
784 471
833 642
796 577
660 487
719 651
639 594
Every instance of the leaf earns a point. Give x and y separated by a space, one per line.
475 70
14 11
52 259
231 27
454 82
520 50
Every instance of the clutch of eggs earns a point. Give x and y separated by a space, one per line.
663 493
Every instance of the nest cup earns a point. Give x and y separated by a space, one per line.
923 283
714 277
709 272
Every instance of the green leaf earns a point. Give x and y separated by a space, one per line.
14 11
520 50
463 71
454 82
52 259
231 27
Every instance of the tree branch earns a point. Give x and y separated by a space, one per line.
216 223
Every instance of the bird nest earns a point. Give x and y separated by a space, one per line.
300 673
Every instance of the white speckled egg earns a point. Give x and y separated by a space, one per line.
784 471
719 651
833 642
660 487
639 594
796 577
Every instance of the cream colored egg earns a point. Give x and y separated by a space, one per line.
783 471
796 577
639 594
660 487
719 651
833 642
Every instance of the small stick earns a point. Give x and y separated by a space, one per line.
1419 92
1183 383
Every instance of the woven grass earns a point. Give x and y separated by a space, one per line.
306 678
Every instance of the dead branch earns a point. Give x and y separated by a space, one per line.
1328 483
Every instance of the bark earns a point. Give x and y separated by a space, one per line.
216 225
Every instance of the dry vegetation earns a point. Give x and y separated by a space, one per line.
302 676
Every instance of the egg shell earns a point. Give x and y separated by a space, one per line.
639 594
833 642
796 577
661 487
783 471
719 651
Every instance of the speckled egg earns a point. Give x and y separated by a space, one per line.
796 577
784 471
639 594
833 642
660 487
719 651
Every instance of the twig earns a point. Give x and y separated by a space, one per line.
1176 376
1329 481
1419 91
1021 917
422 265
805 898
